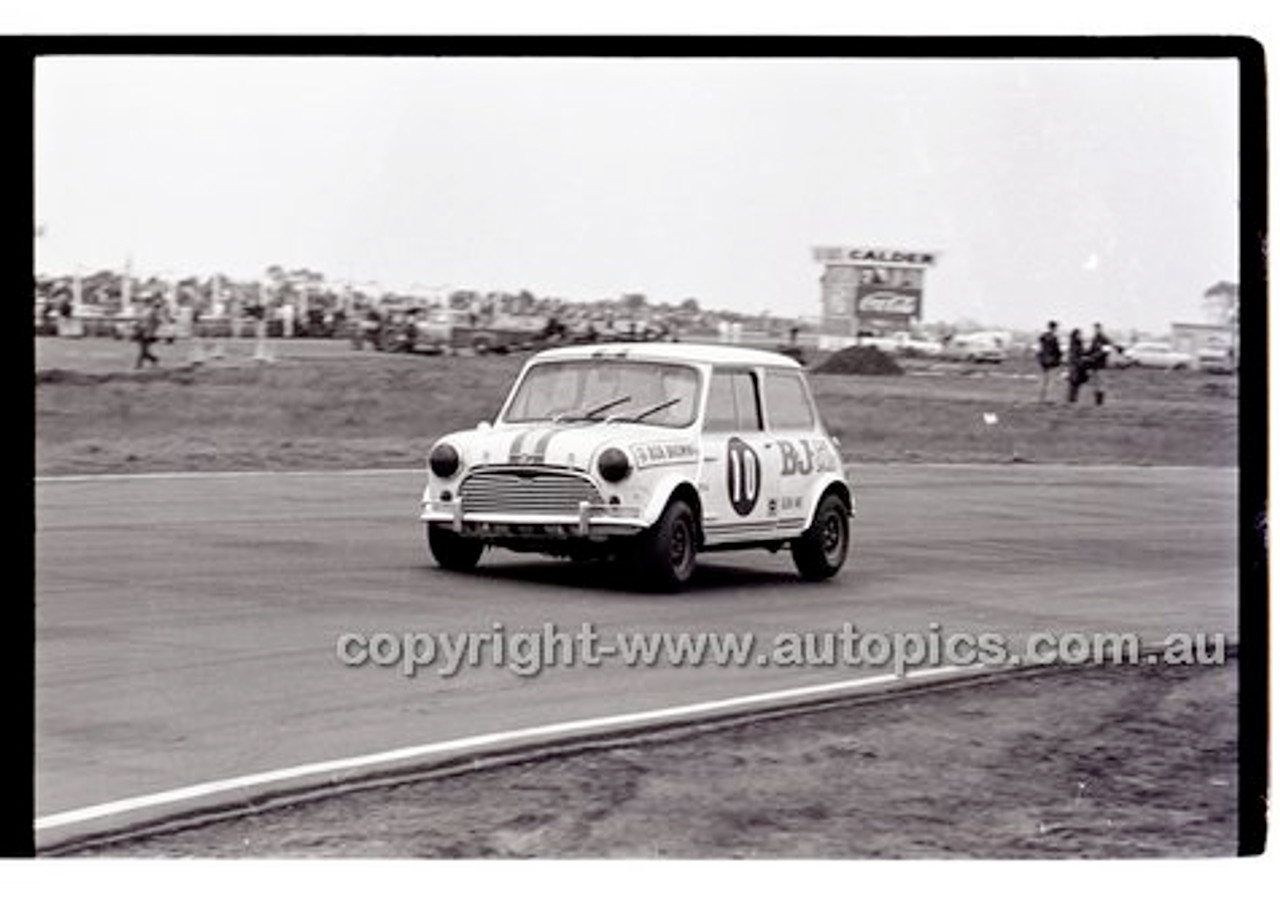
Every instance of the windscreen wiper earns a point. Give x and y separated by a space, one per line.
591 412
652 409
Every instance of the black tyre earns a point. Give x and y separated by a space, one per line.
820 551
667 553
451 551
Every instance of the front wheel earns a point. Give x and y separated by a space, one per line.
667 552
820 551
451 551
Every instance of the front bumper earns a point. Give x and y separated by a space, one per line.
592 522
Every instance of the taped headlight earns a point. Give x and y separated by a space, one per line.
613 464
444 460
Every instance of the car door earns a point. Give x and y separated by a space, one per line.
740 465
804 453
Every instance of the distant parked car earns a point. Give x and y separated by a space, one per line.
979 348
1215 360
1152 355
904 343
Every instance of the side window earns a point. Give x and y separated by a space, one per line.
747 400
732 403
787 401
722 414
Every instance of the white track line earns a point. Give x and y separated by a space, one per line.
494 739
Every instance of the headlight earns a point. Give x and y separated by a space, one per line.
613 465
444 460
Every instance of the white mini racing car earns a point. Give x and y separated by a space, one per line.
649 452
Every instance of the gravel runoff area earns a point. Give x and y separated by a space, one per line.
1081 763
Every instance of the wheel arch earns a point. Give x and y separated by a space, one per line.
829 485
688 493
667 491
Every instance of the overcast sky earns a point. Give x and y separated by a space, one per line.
1082 190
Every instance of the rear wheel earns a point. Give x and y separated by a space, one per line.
667 552
451 551
820 551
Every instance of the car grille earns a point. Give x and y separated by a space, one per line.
525 492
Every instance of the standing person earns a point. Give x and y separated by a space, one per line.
146 333
261 351
366 330
1098 360
236 314
221 347
1077 365
65 311
192 315
1050 357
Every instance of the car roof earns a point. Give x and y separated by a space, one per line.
697 353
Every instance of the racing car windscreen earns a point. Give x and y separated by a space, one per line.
598 389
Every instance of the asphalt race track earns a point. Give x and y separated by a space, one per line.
186 626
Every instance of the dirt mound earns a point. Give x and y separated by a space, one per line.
860 360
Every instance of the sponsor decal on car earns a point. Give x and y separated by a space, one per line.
651 454
811 455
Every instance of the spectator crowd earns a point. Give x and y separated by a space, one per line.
303 303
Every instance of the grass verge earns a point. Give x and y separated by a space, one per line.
324 405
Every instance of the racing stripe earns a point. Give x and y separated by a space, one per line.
516 445
540 437
539 453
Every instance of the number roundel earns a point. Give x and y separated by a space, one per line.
743 473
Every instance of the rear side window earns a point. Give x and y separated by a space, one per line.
733 403
788 402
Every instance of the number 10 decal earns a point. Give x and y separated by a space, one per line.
743 472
